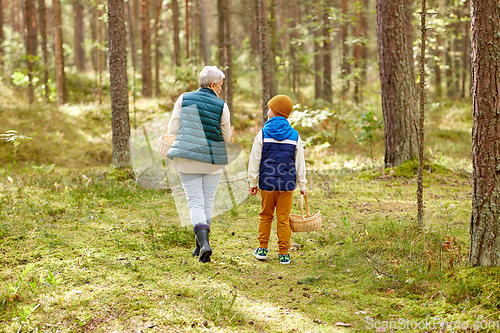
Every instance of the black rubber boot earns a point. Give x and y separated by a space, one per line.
196 251
205 250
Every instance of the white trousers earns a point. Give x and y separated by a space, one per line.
200 193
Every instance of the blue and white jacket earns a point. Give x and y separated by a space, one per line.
277 158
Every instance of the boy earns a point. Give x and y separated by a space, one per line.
277 165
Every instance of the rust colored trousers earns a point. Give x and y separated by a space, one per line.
282 202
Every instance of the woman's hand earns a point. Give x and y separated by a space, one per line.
253 190
303 192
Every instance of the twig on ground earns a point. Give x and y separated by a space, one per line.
80 261
381 272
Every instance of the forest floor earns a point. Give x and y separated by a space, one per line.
84 248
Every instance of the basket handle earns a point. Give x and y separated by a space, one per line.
163 133
302 198
302 206
307 205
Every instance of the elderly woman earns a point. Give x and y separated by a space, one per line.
200 121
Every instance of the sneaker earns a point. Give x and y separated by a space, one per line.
284 259
260 253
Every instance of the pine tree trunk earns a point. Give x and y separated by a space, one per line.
177 45
397 83
131 33
147 80
118 83
273 88
79 36
93 34
100 52
29 50
17 18
1 33
42 13
327 54
345 69
264 57
229 56
357 57
222 43
485 219
34 28
364 49
437 68
450 92
466 48
187 29
204 41
157 48
318 59
58 43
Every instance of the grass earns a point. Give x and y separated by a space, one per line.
84 248
107 255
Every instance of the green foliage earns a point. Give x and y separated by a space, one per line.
14 138
52 280
20 79
25 312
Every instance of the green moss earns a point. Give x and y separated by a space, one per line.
409 169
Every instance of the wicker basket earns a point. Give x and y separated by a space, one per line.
166 141
301 223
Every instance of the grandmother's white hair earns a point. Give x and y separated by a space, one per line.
210 74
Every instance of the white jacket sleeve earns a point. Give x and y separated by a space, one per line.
300 165
173 124
254 163
225 124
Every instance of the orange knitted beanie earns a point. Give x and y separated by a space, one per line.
281 105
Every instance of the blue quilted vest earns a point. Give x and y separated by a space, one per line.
277 165
200 136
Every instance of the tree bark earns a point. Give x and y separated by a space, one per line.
100 52
93 34
222 39
131 33
157 47
147 80
221 32
345 69
58 43
79 36
485 219
177 45
187 29
327 54
29 50
118 83
273 87
318 60
466 48
437 68
204 41
264 57
34 28
42 13
357 57
397 83
1 33
229 57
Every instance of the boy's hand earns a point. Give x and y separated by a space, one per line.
303 192
253 190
